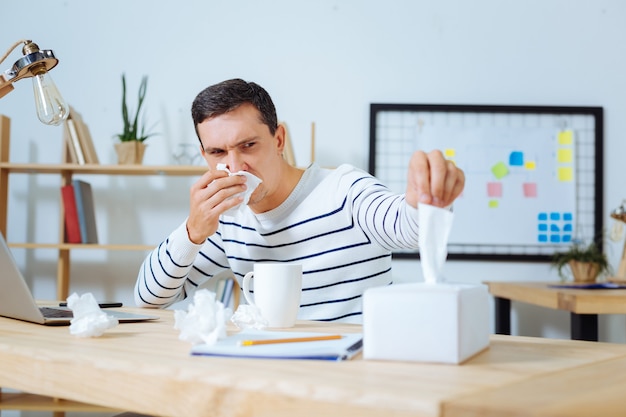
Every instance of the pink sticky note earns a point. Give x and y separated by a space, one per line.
494 189
530 189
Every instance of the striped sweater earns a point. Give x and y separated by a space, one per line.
340 224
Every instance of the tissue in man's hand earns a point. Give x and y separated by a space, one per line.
204 321
433 321
252 182
89 320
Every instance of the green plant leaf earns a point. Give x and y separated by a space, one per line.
579 252
133 129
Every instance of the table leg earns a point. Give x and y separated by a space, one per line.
584 327
503 315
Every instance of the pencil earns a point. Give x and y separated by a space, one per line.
289 340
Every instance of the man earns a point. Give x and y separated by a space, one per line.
340 224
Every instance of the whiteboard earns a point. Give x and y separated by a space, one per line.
533 174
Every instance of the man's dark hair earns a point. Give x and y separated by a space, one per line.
226 96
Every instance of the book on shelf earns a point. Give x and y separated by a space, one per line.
86 211
80 148
75 153
225 287
86 142
227 293
72 226
219 289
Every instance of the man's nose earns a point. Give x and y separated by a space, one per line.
234 162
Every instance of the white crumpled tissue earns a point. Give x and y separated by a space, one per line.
204 321
434 230
89 320
249 317
252 182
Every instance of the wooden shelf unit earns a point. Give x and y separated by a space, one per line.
66 172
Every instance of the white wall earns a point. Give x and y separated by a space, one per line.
323 61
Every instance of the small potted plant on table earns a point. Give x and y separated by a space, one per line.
586 262
131 148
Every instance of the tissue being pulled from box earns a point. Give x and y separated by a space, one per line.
433 321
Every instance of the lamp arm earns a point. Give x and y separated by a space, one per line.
5 86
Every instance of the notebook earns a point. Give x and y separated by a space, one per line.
343 348
17 302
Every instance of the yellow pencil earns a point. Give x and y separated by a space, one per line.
289 340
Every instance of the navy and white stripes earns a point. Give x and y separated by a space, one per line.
341 225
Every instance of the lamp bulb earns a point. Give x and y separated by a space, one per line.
51 108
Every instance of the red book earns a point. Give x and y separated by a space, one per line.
72 225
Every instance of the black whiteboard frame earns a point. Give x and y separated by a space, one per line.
596 112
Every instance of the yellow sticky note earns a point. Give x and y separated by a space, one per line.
449 153
530 165
564 156
566 137
565 174
493 203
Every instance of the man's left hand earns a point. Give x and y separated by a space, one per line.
433 180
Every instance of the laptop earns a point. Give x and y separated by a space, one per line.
17 302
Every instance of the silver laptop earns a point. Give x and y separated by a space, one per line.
17 302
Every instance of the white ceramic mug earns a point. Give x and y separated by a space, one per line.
277 290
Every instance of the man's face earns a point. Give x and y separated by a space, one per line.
241 141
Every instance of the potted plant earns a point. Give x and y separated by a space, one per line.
586 262
131 148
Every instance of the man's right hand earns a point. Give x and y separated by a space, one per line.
209 198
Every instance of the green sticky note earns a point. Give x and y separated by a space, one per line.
500 170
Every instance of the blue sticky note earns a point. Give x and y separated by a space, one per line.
567 227
555 216
542 238
555 238
554 228
568 217
516 158
542 227
542 216
567 238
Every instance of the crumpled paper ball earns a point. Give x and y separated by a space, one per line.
204 321
89 320
252 182
249 317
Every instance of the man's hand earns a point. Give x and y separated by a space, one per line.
433 180
208 199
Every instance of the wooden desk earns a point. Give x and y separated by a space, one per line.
584 305
589 390
143 367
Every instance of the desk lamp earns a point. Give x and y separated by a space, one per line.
619 214
35 64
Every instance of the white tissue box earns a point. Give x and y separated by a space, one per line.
442 322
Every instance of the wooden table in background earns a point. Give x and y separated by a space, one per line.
584 305
144 367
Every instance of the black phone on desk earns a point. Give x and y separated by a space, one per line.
106 304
